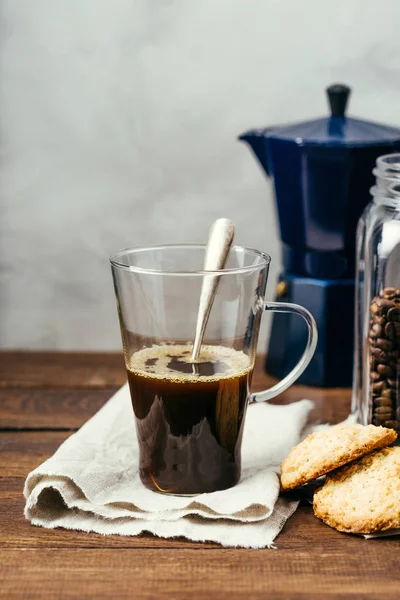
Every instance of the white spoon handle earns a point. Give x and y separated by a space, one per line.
219 243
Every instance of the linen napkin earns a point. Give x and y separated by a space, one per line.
92 482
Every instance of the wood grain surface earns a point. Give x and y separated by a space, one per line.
45 397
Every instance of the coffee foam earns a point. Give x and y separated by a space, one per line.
237 362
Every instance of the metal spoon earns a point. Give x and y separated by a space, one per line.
219 243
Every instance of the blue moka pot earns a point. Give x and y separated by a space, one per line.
322 174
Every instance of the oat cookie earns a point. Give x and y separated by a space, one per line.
364 496
329 449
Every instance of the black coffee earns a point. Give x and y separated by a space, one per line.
189 418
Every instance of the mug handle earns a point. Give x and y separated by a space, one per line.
281 386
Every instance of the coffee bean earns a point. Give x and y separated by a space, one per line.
379 320
375 376
380 355
392 382
383 410
378 387
383 402
383 407
392 424
390 330
388 394
384 305
389 293
385 370
379 419
394 314
375 331
382 421
374 306
384 344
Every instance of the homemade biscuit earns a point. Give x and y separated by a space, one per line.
329 449
364 496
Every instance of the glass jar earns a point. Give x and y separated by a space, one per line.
376 381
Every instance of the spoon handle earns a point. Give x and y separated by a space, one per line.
219 243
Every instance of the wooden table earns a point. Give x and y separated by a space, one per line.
46 396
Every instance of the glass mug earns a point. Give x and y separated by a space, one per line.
190 417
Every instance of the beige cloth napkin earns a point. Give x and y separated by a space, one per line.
92 482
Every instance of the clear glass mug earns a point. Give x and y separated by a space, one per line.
190 418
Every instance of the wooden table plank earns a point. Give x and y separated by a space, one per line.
61 369
184 573
20 452
38 408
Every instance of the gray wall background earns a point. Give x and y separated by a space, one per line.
118 123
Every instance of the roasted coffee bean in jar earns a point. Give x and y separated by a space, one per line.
384 358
